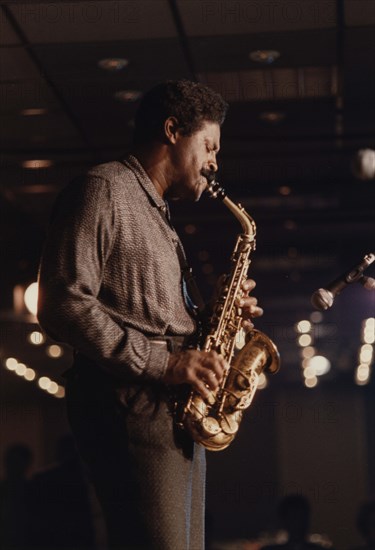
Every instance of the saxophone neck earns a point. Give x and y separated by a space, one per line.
248 224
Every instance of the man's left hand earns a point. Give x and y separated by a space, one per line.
249 305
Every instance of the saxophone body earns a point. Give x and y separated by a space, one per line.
214 422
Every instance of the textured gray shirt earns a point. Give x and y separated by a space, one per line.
110 274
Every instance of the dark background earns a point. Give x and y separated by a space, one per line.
292 131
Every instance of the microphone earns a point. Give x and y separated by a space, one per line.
323 297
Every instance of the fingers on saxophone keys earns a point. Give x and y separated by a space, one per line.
216 366
249 307
207 385
208 378
248 285
205 392
247 302
247 325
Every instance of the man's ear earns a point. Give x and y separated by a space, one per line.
171 129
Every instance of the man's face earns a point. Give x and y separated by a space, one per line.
190 156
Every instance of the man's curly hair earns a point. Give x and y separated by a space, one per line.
190 103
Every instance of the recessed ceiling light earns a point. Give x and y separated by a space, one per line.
37 164
113 63
285 190
34 112
272 117
128 96
290 225
264 56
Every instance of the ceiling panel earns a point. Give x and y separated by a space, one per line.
304 120
155 59
94 21
16 64
261 172
273 84
240 17
15 176
109 133
359 12
44 132
226 53
7 34
359 56
26 94
359 121
91 95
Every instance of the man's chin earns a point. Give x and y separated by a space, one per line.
192 193
201 188
198 195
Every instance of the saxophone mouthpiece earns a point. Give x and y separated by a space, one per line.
209 175
213 187
215 191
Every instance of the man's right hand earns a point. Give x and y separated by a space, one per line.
197 368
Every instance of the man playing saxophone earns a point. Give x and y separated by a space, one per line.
111 286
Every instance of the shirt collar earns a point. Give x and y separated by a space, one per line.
132 162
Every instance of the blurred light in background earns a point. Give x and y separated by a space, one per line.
36 338
262 383
311 382
303 326
366 352
320 364
20 369
54 351
44 382
31 298
11 363
304 340
37 164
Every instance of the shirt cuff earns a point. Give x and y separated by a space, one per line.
157 360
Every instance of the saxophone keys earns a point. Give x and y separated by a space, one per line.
211 399
240 339
210 426
229 424
246 399
243 382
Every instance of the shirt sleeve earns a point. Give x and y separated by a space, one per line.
78 243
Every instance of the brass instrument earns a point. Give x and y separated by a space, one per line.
214 424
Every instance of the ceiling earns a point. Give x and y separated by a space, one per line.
292 131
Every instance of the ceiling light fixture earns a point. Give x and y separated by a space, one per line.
272 117
37 164
34 112
113 64
285 190
264 56
128 96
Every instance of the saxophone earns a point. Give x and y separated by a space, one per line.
214 422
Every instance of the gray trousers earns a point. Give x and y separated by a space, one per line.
149 477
